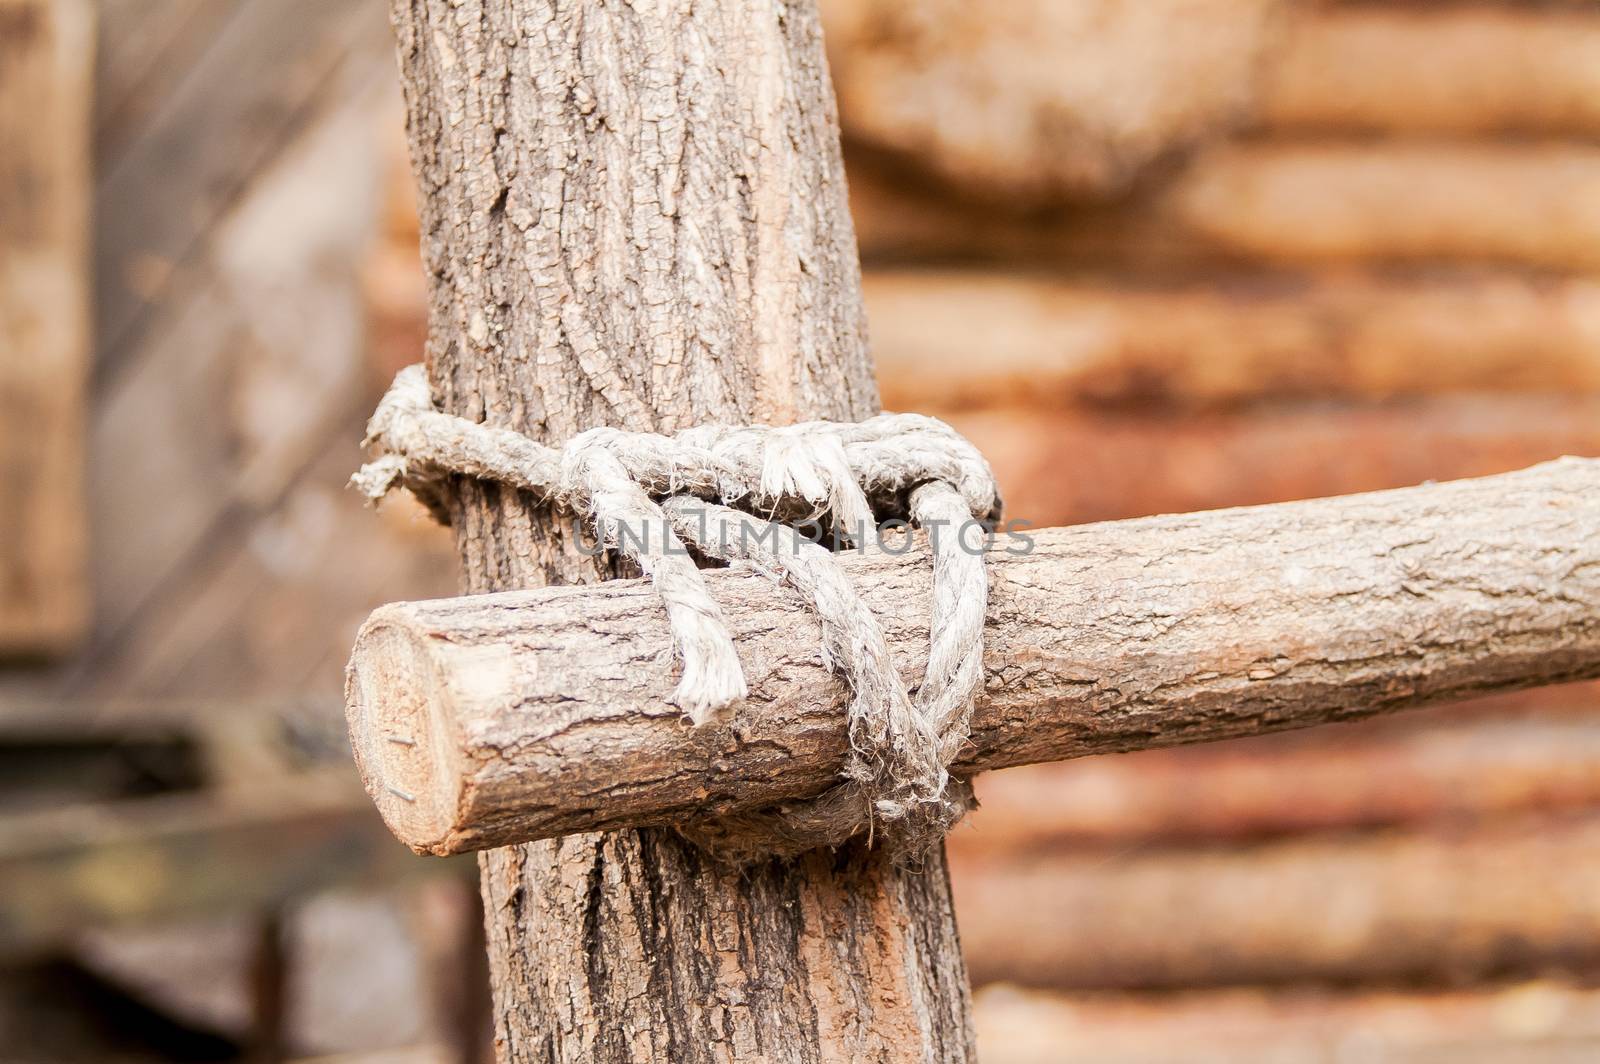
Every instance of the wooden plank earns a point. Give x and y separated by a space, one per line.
152 48
269 68
247 371
1046 341
276 602
46 55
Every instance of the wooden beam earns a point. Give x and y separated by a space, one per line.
1041 104
1441 906
635 214
1133 462
1528 204
1535 1022
485 720
1039 101
1457 69
1442 770
46 58
1234 337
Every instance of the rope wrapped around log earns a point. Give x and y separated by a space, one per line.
703 488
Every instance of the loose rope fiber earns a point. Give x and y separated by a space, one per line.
717 488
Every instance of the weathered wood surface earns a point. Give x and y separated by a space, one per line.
509 717
46 56
1441 770
636 215
233 398
1233 338
252 75
1277 203
1537 1022
1039 100
1042 103
1450 906
1132 462
1451 69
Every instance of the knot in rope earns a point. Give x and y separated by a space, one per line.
720 490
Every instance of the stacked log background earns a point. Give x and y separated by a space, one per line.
1267 251
1362 251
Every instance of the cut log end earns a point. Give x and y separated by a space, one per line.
402 734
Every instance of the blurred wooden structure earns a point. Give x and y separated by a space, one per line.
1372 261
46 58
1528 1022
1327 247
179 754
240 151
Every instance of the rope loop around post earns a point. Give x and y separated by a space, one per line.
734 494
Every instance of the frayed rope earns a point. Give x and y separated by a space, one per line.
707 486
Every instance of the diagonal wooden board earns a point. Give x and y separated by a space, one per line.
46 58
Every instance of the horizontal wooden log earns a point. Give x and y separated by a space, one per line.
1355 776
1232 338
1130 463
1045 103
1270 202
1042 100
1440 906
485 720
1536 205
1462 69
1535 1022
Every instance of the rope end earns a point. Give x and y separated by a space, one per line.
710 696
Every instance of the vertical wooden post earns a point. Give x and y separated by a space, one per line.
46 93
634 214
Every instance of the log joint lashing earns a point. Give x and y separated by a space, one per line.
1101 638
646 496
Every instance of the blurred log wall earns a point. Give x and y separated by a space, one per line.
1170 256
241 151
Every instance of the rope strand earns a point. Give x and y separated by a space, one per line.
705 486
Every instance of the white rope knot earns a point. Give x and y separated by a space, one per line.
716 488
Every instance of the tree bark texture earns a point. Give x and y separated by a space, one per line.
1451 905
546 712
635 215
